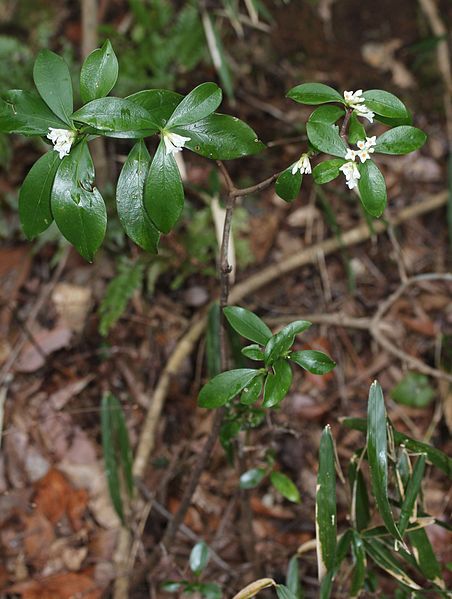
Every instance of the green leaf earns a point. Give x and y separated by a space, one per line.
342 549
253 352
372 188
425 557
79 213
400 140
252 478
278 384
163 191
129 199
385 104
160 103
326 518
199 103
327 114
220 137
53 82
210 590
124 449
225 386
99 73
251 392
116 117
199 557
279 344
109 452
414 390
411 494
285 486
213 344
326 138
34 197
315 362
356 130
327 171
435 456
288 185
293 582
377 451
247 324
282 592
314 93
385 560
25 113
360 565
359 511
172 586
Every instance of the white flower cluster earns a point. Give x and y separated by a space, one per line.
350 169
303 165
356 101
62 140
174 142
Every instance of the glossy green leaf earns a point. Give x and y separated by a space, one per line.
314 93
34 198
411 494
172 586
328 115
288 185
251 392
359 509
356 130
386 560
213 342
160 103
293 581
372 188
277 384
325 510
79 212
99 73
414 390
53 82
225 386
199 557
199 103
400 140
425 557
253 352
25 113
283 592
163 191
377 451
278 345
385 104
247 324
360 564
285 486
342 550
220 137
315 362
326 138
116 117
435 456
252 478
129 199
327 170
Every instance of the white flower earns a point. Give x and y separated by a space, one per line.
351 173
350 155
353 98
62 140
303 165
362 110
366 148
174 142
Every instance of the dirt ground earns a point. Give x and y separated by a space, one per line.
58 529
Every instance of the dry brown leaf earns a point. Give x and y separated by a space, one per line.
38 538
60 398
60 586
72 302
33 356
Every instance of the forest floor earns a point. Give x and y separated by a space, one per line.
58 529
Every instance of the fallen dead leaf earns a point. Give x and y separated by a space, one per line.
72 302
60 398
38 537
67 585
45 342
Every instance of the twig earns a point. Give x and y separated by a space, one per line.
344 126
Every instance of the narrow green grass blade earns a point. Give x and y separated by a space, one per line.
293 581
412 491
425 557
326 525
108 446
359 512
384 558
360 565
124 450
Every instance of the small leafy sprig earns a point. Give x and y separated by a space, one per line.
150 195
275 351
325 135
